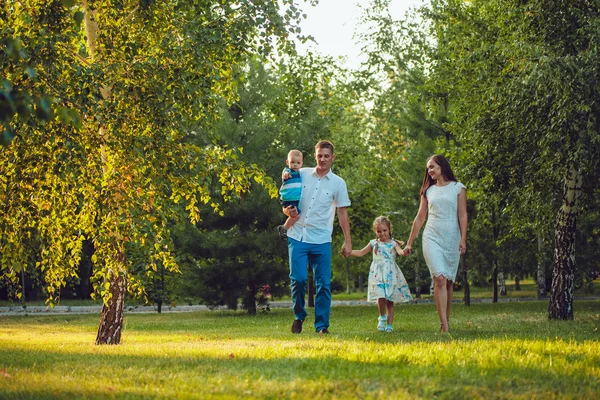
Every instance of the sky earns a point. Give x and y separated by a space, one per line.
333 23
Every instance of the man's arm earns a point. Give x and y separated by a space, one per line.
345 225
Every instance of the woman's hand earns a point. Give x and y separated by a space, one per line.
407 250
462 247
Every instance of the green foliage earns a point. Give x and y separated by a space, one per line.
291 105
146 80
506 90
25 62
522 79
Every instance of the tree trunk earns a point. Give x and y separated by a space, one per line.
23 294
495 234
517 283
84 289
495 282
502 280
561 295
251 303
417 280
467 296
541 269
161 288
361 282
347 276
111 319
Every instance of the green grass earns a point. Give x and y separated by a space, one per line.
505 350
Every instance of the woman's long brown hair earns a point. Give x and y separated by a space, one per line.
446 172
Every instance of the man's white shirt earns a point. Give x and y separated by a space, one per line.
320 198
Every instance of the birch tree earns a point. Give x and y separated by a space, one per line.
526 77
129 84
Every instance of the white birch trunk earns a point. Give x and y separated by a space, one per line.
111 318
541 270
561 296
502 282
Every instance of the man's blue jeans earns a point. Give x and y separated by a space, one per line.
319 256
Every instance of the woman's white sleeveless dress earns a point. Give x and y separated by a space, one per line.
441 235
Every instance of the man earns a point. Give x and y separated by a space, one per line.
309 238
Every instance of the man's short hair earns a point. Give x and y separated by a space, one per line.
324 144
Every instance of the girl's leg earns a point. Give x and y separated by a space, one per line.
450 293
382 320
440 295
390 311
381 306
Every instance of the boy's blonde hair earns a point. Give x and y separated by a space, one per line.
294 153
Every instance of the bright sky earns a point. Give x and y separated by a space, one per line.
333 23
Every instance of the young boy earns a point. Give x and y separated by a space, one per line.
291 188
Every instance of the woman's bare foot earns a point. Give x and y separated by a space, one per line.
444 327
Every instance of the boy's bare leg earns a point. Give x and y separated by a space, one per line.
288 223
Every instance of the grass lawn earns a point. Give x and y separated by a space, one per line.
505 350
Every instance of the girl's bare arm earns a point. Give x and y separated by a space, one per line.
361 252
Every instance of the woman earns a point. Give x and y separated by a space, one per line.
445 236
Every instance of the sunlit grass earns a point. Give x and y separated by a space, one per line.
495 351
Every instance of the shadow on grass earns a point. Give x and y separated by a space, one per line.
119 375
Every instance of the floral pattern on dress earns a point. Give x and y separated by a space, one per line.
385 277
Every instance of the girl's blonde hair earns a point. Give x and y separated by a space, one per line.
382 220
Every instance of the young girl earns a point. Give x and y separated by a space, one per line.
386 282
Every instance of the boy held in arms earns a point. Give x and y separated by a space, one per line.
291 188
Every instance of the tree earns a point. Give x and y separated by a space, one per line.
407 119
291 104
146 78
524 75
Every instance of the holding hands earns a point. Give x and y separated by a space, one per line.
346 250
398 247
462 247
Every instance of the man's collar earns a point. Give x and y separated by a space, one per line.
327 175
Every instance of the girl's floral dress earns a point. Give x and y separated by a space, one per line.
385 277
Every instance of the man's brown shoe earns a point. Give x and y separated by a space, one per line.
297 326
